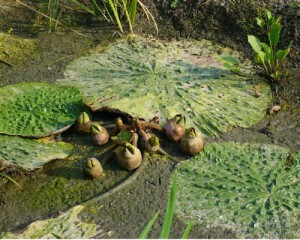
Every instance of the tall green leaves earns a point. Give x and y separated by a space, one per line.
147 229
267 54
165 232
54 14
116 10
170 210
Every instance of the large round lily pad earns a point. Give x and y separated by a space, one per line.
152 78
252 189
30 154
38 109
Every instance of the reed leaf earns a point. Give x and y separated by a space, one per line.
147 229
127 15
187 230
170 210
116 14
132 12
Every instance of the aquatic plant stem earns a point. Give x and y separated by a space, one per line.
54 20
148 13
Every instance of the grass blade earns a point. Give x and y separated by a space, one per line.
97 9
83 7
46 16
10 179
132 12
145 232
127 16
170 210
116 14
187 230
148 13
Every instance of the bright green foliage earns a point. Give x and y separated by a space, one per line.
29 154
267 54
147 79
247 188
116 10
165 232
124 136
38 109
67 226
175 3
147 229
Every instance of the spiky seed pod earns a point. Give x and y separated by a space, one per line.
83 123
92 168
192 142
175 128
99 134
129 157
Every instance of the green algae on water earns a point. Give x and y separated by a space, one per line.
15 50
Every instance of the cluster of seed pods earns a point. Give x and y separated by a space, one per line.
127 136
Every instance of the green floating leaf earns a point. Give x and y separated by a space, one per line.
66 226
247 188
38 109
30 154
147 79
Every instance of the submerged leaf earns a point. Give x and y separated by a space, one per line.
66 226
38 109
147 79
247 188
29 154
